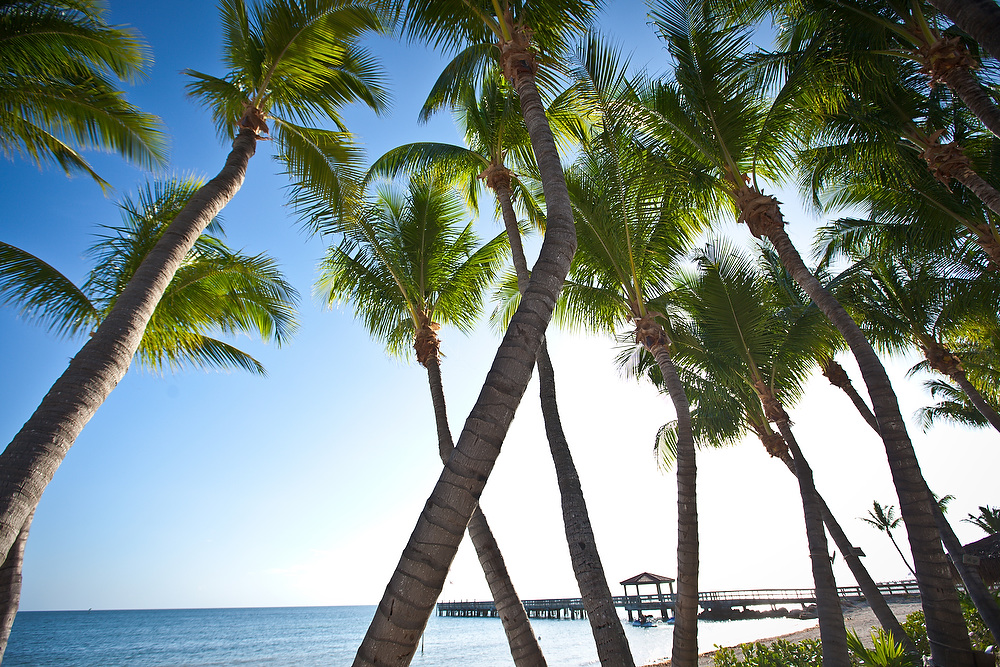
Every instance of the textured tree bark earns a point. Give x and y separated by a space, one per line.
832 631
965 85
413 588
977 399
10 584
945 625
32 457
978 18
986 193
685 647
609 635
524 648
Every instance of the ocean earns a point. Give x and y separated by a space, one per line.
320 636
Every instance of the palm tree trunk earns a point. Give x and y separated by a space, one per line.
10 584
985 603
964 84
524 648
838 377
32 457
986 193
946 629
868 587
978 18
609 635
977 399
416 583
832 631
685 641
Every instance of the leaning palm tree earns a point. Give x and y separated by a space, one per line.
214 290
514 33
745 338
63 65
498 155
884 519
732 136
408 266
274 71
979 18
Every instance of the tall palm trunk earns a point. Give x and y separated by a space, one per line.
984 602
946 363
684 652
524 647
838 377
32 457
946 629
609 635
868 587
962 82
10 584
416 583
947 161
979 18
832 631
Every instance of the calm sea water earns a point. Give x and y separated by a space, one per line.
317 636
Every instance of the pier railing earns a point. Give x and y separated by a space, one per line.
708 600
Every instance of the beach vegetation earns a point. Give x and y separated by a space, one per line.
883 653
779 653
988 519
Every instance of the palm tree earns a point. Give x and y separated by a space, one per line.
745 337
630 241
884 519
214 289
520 31
988 519
495 134
271 49
901 304
730 135
408 266
63 65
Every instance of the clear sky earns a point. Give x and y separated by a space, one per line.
221 489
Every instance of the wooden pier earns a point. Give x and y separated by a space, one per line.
716 601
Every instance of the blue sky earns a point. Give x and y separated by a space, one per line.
221 489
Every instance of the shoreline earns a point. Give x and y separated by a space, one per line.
858 616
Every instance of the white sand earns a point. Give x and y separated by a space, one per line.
857 616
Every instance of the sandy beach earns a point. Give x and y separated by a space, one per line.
858 616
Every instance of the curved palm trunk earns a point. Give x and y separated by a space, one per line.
32 457
413 588
832 631
10 584
868 587
685 641
978 18
946 161
524 648
609 635
946 629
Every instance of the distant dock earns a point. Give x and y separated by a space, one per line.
720 603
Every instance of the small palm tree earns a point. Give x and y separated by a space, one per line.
214 290
407 265
271 49
988 519
62 65
884 519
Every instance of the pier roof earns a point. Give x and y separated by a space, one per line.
646 578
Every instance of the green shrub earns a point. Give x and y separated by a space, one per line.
884 652
916 627
780 653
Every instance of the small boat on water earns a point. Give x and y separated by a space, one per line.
644 622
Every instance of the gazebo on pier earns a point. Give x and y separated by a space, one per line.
663 602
